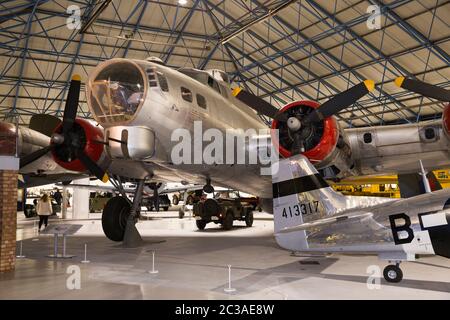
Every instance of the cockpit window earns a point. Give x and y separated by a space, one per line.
152 78
213 84
224 92
186 94
162 82
201 101
117 91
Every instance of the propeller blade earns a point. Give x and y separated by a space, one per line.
341 101
425 89
70 110
44 123
259 105
93 167
34 155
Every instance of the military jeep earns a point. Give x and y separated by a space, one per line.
224 209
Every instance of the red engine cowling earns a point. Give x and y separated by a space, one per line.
446 119
322 138
88 137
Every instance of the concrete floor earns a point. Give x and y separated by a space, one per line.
192 264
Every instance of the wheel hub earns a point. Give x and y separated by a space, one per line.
392 274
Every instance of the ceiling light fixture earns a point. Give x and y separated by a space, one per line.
130 38
244 28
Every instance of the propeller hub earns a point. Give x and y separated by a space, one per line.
294 124
57 138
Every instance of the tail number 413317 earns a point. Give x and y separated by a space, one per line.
301 209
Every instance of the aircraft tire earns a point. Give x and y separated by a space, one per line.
114 218
393 274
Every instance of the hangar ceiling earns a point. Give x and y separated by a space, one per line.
311 49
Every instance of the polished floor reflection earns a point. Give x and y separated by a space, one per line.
192 264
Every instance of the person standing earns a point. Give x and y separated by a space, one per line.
44 210
57 196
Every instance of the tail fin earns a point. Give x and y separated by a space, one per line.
300 194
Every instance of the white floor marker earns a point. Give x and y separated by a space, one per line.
229 289
85 254
21 256
153 271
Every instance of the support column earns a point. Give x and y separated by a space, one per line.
80 203
64 203
8 219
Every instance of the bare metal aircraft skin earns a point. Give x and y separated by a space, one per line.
310 216
172 99
138 104
166 99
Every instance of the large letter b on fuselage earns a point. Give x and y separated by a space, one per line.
396 229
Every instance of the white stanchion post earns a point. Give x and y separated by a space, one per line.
85 254
153 271
64 246
229 289
20 256
55 245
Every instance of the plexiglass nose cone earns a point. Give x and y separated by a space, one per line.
116 91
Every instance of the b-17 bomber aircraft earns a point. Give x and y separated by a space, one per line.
309 216
139 104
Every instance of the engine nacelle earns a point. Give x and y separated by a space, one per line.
322 138
446 120
326 145
89 139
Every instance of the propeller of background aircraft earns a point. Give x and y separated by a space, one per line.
300 125
425 89
69 140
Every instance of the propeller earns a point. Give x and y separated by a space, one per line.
259 105
341 101
425 89
34 156
301 125
329 108
68 141
44 123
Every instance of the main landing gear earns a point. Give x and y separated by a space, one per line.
120 216
393 273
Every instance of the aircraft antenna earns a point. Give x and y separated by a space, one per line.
425 181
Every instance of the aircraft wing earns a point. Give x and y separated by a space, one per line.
427 202
28 181
326 221
131 190
183 188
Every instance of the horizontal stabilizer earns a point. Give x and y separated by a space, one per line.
323 222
